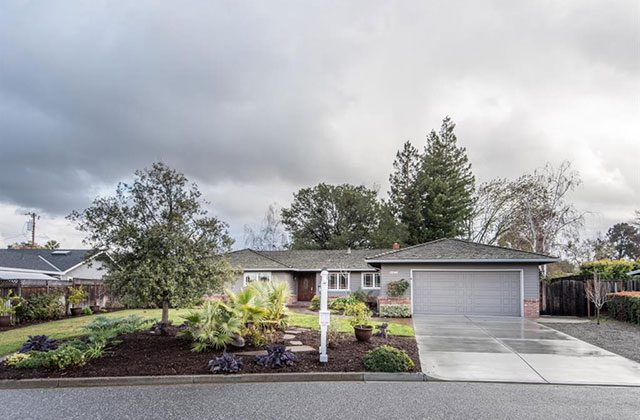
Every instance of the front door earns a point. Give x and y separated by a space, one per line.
306 287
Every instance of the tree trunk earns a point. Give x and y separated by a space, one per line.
597 315
165 313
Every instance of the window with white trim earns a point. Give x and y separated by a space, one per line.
338 281
255 276
370 280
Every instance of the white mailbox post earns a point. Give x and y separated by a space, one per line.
324 314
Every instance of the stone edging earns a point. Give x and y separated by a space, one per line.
212 379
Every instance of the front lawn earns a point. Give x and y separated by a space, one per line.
11 340
311 321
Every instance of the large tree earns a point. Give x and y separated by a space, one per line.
446 185
625 241
542 216
404 196
335 217
492 215
164 248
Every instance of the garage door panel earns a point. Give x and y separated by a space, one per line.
467 292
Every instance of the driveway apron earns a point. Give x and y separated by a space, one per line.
505 349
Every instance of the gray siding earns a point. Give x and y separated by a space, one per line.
394 272
275 276
355 283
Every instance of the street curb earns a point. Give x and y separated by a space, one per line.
211 379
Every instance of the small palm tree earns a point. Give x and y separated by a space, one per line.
276 295
249 303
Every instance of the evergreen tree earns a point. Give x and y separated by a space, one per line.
404 197
446 186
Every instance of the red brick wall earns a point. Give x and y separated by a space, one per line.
531 308
394 300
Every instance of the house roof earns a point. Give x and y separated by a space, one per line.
46 260
21 275
457 250
302 260
633 273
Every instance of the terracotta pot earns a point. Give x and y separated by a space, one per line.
95 308
5 320
76 311
363 332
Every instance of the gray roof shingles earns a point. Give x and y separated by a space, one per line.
34 259
311 260
457 250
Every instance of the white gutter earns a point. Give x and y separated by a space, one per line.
484 261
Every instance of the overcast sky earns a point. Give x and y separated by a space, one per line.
254 100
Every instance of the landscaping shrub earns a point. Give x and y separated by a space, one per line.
625 306
227 363
275 295
359 313
609 269
38 343
397 288
15 358
387 359
395 310
68 354
87 311
40 307
103 329
315 303
216 326
250 305
363 296
277 356
339 304
77 295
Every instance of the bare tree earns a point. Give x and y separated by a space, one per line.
597 292
270 235
493 212
542 216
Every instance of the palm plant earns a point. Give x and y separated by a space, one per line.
276 295
216 326
249 304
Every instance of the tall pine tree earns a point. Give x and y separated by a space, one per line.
404 197
445 184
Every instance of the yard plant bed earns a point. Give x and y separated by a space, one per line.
618 337
145 354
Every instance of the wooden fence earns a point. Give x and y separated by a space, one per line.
96 291
567 297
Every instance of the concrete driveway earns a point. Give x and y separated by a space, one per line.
475 348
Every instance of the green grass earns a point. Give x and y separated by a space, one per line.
311 321
11 340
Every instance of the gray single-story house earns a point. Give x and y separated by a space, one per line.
446 276
36 266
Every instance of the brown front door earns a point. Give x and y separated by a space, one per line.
306 287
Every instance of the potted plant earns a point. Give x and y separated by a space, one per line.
7 308
360 320
76 296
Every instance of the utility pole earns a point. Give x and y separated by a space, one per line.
33 216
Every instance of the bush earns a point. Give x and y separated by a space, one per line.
397 288
77 295
67 355
277 356
315 303
227 363
363 296
609 269
359 313
395 310
87 311
625 306
387 359
275 295
38 343
216 326
340 304
15 358
40 307
103 329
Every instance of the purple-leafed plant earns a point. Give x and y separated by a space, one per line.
38 343
277 356
227 363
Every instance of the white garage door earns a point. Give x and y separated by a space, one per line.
467 292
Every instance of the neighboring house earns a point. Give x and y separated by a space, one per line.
634 273
446 276
35 267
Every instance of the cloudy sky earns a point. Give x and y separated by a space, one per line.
254 100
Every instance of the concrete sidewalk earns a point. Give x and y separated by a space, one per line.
503 349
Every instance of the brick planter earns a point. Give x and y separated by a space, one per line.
532 308
394 307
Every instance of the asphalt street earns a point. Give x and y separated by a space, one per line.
434 400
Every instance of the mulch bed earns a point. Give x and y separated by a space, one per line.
144 354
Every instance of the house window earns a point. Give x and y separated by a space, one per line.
338 281
370 280
255 276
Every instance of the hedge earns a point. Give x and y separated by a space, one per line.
395 310
625 306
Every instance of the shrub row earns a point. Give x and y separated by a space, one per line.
395 310
625 306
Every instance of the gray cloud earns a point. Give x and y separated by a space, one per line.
255 100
